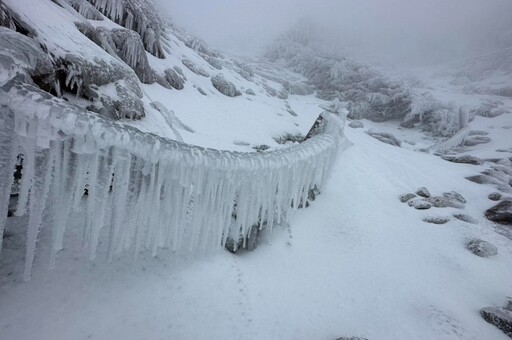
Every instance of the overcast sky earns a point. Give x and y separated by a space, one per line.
394 30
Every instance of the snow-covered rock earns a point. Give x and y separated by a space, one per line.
224 86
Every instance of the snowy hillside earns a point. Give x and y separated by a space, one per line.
121 60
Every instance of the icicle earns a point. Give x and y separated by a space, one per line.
38 195
8 159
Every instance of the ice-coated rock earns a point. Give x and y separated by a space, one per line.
481 248
436 219
501 213
6 18
406 197
465 218
454 196
465 159
419 204
445 202
85 9
174 79
423 192
250 92
356 124
385 137
195 68
140 16
224 86
475 140
125 44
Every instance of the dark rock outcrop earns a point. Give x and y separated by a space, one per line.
499 317
501 213
423 192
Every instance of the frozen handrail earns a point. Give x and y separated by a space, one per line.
144 191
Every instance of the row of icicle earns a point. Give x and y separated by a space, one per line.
144 192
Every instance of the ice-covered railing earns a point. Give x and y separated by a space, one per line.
144 192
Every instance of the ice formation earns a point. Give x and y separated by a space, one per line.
145 192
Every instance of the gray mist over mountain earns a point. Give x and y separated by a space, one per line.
405 31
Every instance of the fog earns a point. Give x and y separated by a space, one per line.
405 31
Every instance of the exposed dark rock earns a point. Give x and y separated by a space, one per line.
466 159
453 195
356 124
195 68
482 179
499 317
495 196
224 86
475 140
175 79
249 242
385 137
481 248
406 197
444 202
200 90
419 204
436 219
501 213
466 218
423 192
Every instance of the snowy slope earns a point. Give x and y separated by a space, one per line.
356 263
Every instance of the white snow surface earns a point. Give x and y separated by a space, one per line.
357 262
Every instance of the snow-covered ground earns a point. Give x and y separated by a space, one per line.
357 262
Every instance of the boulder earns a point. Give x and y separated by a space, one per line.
419 204
174 79
385 137
465 218
423 192
406 197
475 140
501 213
250 92
436 219
195 68
444 202
224 86
454 196
356 124
499 317
481 248
465 159
495 196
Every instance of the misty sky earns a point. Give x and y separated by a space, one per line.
391 30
